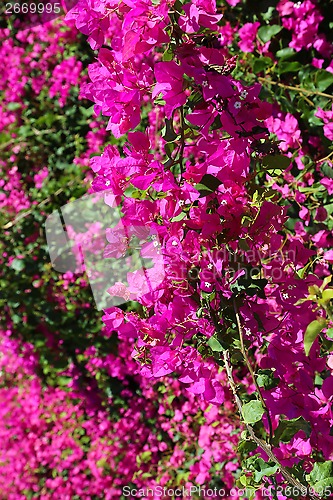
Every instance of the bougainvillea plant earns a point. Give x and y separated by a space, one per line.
218 168
77 418
220 116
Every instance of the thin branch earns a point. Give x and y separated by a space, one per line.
4 145
260 442
181 152
249 366
325 158
291 87
22 215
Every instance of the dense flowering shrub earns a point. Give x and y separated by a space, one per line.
242 226
220 116
36 161
55 444
77 418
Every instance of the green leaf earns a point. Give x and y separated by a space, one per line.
210 181
301 273
261 64
252 412
146 456
63 381
169 134
288 428
266 469
327 170
168 55
266 33
12 106
313 120
159 101
251 286
208 184
329 333
203 190
179 217
260 467
273 162
246 446
312 332
321 478
137 194
288 67
266 379
329 208
16 319
24 131
327 295
194 99
243 480
214 344
285 53
243 245
17 264
250 492
269 14
323 79
169 148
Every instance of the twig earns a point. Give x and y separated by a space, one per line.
260 442
12 223
325 158
249 366
4 145
291 87
181 152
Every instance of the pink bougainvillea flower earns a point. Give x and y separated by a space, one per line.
328 256
198 16
170 82
247 34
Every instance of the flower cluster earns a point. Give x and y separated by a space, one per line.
67 412
228 171
229 257
55 443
